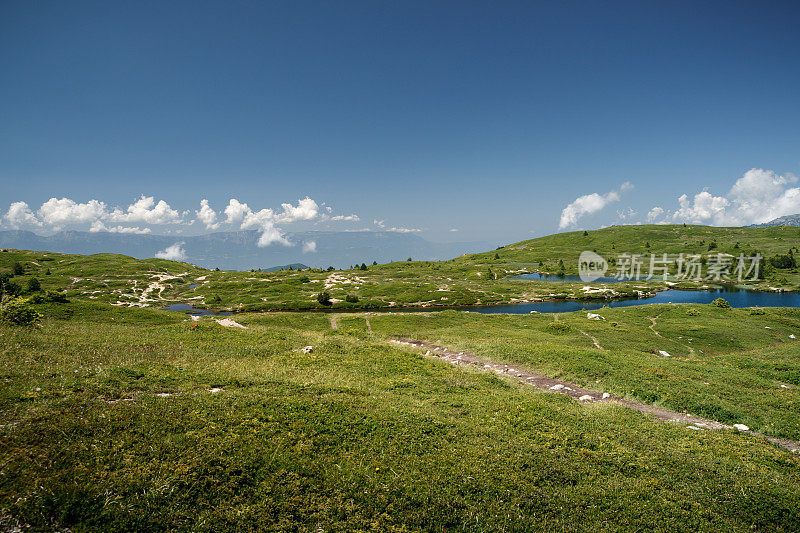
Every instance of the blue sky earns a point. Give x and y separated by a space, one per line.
488 118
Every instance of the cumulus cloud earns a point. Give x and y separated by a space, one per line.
146 210
59 213
64 213
206 215
20 216
758 196
235 211
309 247
174 252
306 209
654 214
589 204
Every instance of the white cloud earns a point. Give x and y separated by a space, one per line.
348 218
453 229
59 213
382 225
627 214
20 216
174 252
306 209
98 225
146 210
206 215
655 213
235 211
758 196
309 247
589 204
95 216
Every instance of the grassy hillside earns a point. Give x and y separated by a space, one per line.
466 280
108 421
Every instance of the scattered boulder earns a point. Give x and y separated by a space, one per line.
694 428
663 353
215 390
606 395
307 349
741 427
557 387
585 398
594 316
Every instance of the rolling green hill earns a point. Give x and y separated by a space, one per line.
467 280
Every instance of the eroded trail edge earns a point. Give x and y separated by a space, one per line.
581 394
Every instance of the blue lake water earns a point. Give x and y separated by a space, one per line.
735 297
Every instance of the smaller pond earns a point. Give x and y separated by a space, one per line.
190 310
553 277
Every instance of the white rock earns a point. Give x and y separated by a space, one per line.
606 395
557 387
586 398
665 354
741 427
307 349
215 390
163 394
594 316
693 427
792 336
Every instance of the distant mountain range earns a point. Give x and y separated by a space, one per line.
788 220
238 250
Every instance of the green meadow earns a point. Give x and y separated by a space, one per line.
116 415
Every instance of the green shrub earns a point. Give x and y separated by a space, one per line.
557 328
352 298
34 285
20 312
692 312
18 269
324 298
721 302
304 279
757 311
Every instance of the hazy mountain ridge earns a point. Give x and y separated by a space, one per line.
788 220
238 250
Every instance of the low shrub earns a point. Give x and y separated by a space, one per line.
557 328
692 312
721 302
324 298
352 298
19 311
